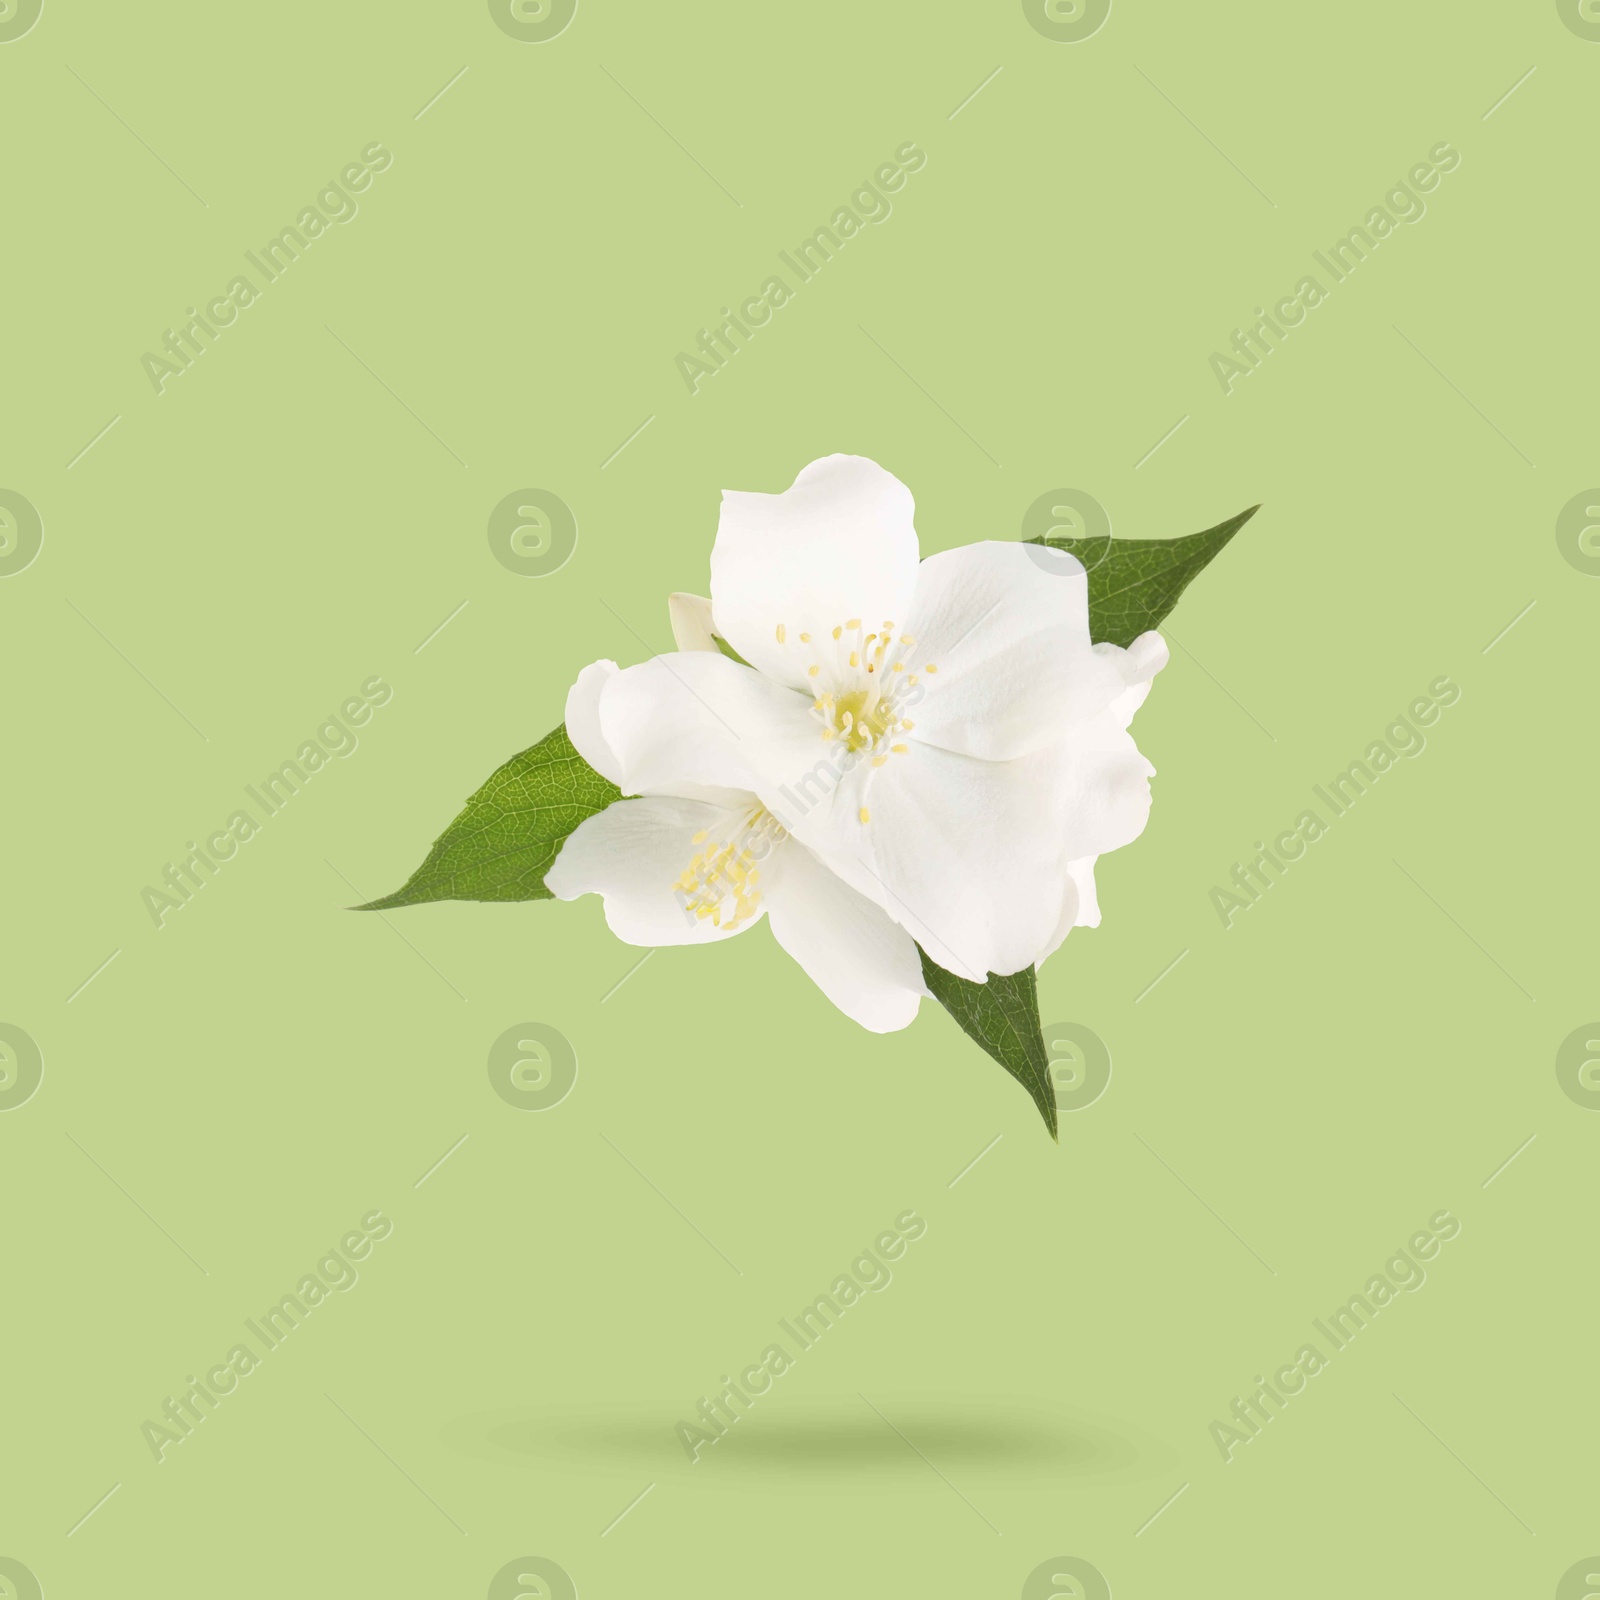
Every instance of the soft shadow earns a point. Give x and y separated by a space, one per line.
832 1438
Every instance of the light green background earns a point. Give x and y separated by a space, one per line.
1289 1103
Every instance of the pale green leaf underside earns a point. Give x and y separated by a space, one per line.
506 839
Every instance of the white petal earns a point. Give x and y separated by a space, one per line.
1103 796
632 854
967 855
1081 912
851 949
1138 665
1006 626
1082 871
691 622
1105 781
975 858
583 720
838 544
1105 791
695 722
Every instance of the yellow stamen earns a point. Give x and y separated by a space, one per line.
899 666
899 749
837 632
700 838
930 668
782 633
855 658
866 816
811 672
878 761
907 724
854 622
721 883
805 638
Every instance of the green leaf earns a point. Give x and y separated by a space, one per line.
505 841
728 650
1002 1016
1134 583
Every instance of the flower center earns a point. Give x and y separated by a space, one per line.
859 718
865 683
722 881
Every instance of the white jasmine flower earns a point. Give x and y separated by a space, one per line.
700 858
943 735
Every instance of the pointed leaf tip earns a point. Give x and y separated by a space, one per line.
1001 1016
507 838
1135 583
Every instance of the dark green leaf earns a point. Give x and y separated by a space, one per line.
1134 583
502 845
728 650
1002 1016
